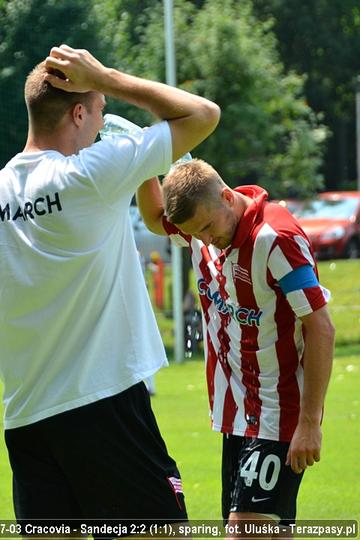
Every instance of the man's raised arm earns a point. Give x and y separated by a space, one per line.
191 118
149 199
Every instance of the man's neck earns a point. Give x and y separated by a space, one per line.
59 143
242 202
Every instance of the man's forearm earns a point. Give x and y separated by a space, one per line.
191 118
305 444
165 102
318 356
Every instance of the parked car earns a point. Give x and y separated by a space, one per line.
146 241
332 223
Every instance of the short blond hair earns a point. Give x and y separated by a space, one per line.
47 105
187 185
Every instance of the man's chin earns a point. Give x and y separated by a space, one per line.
221 244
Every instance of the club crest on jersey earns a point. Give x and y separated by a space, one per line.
238 272
242 315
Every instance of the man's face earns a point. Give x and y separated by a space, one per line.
212 224
93 120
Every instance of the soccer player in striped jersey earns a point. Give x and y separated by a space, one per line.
268 336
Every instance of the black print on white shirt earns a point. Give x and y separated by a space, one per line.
39 207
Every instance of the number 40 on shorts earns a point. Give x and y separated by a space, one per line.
268 474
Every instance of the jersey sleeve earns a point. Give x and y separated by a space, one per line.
119 165
176 236
293 267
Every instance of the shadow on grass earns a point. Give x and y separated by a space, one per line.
347 349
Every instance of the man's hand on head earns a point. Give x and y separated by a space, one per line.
73 70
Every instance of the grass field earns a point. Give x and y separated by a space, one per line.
331 489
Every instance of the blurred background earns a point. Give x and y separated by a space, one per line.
286 75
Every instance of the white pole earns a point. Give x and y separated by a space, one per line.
169 43
176 254
358 130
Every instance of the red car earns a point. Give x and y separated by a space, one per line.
332 224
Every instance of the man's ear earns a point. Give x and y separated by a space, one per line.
77 114
227 196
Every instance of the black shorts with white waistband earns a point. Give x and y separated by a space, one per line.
256 479
105 461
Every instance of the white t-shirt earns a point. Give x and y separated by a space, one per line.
76 323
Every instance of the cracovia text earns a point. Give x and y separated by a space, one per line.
42 205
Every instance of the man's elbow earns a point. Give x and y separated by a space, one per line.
209 116
327 331
155 225
318 324
331 332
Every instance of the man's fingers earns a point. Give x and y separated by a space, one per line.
313 457
57 82
81 71
55 63
59 53
299 461
66 47
63 51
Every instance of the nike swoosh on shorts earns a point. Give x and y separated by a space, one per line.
253 499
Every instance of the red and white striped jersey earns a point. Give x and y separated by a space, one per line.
253 336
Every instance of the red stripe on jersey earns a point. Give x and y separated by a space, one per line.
211 361
229 412
249 333
230 407
315 297
252 401
221 355
288 388
205 271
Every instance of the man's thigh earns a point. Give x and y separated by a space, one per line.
106 460
256 479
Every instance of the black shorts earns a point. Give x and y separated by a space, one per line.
106 460
256 479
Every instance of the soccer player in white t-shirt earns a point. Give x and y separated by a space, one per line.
267 333
77 332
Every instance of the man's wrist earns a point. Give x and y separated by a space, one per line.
108 82
310 419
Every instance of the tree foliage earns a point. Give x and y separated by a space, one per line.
29 29
321 39
268 133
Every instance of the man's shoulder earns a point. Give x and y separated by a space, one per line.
280 219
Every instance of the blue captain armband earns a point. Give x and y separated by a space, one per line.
302 277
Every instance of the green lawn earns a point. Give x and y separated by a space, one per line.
343 279
331 489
